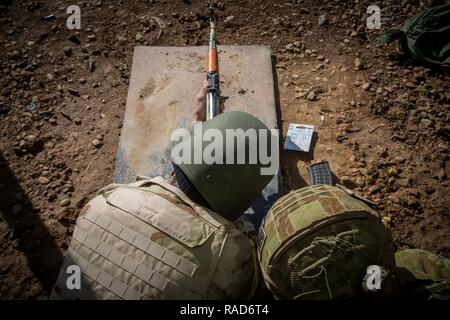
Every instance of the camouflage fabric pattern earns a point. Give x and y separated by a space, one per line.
147 240
317 242
423 274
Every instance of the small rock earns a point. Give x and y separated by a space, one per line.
402 182
341 137
6 263
366 86
229 19
322 20
426 122
96 143
361 164
361 182
74 39
304 10
358 63
348 182
394 198
77 121
374 189
412 201
67 51
35 290
138 36
73 92
64 202
56 226
399 160
410 85
414 192
43 180
311 96
352 129
418 77
66 115
31 138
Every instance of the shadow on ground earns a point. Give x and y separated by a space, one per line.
26 227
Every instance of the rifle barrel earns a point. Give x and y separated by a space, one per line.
213 95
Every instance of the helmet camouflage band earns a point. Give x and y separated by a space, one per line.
317 242
229 188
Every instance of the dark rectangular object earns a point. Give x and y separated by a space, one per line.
320 173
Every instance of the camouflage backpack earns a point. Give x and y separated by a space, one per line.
317 242
147 240
422 274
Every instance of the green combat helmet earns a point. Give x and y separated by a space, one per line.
230 185
422 274
317 242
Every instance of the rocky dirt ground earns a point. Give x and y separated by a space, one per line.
381 122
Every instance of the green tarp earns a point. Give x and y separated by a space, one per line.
425 38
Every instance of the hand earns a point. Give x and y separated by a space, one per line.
200 100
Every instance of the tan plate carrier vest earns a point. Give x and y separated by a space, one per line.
148 240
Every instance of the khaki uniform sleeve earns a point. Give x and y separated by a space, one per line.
237 268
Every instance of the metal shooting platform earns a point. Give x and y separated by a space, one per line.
163 85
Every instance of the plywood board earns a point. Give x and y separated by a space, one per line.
163 84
